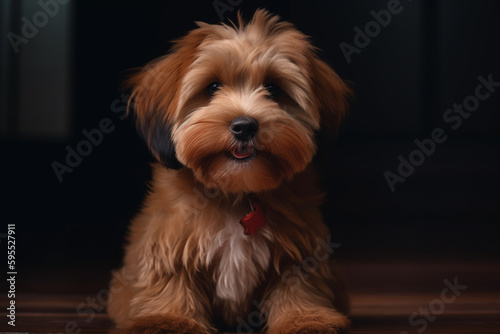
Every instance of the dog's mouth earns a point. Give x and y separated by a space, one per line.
243 152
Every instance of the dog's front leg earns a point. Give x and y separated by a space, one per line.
297 305
178 305
164 324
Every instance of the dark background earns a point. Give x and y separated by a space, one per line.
428 58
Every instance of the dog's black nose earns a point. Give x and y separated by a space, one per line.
244 128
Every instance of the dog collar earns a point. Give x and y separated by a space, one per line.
254 220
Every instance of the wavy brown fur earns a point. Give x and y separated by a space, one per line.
189 267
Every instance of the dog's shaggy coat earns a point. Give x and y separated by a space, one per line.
189 266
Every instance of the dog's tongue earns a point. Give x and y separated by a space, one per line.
242 152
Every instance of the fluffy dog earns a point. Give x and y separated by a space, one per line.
231 233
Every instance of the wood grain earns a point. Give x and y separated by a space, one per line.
384 295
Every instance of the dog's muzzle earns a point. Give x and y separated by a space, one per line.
244 130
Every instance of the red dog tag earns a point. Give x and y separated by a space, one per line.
253 220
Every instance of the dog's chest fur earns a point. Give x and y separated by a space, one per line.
239 260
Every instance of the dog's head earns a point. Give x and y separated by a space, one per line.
238 105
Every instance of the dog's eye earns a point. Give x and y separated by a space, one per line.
213 87
273 90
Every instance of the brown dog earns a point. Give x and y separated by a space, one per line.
231 114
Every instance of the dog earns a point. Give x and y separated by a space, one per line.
230 235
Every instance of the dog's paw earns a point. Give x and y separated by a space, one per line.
311 323
163 324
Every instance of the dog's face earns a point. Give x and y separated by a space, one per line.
239 106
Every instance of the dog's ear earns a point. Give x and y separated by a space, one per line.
332 96
155 93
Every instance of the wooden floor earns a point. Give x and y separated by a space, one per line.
389 297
